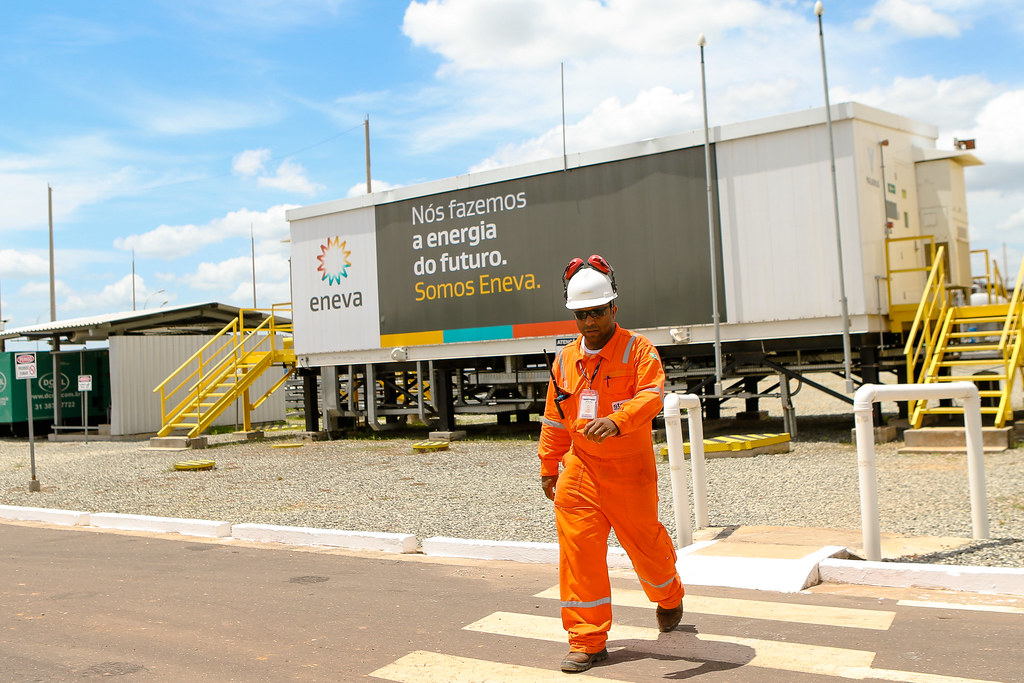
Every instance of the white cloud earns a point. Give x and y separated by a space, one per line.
359 189
21 264
528 34
250 162
914 17
116 296
1013 224
998 129
501 79
234 275
24 195
175 241
290 177
653 113
949 103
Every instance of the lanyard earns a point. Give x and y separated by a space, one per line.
583 374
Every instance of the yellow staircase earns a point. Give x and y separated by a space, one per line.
224 370
980 343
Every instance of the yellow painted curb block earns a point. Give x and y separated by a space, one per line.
194 465
285 445
423 446
740 442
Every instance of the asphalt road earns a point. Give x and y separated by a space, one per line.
84 604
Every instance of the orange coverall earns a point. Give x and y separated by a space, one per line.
606 485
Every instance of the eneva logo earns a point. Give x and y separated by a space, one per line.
333 258
334 265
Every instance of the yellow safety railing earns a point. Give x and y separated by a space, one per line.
223 361
931 314
890 271
994 285
1012 338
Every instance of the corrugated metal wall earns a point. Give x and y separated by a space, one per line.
138 364
778 225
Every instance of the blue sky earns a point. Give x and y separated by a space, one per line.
174 128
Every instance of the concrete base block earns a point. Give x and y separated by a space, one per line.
752 415
457 435
884 434
178 443
314 436
250 436
170 442
187 527
26 514
353 540
954 439
698 565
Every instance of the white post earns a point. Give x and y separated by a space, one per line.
700 480
677 471
862 402
677 465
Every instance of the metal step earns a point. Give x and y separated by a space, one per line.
950 348
969 378
967 361
957 410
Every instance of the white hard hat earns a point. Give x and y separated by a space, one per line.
588 288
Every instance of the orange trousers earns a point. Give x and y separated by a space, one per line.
593 496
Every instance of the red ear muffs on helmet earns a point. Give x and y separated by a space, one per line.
596 261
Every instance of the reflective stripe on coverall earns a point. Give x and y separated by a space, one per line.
608 485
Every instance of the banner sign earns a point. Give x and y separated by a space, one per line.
485 262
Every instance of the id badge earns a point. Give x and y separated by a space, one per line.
588 404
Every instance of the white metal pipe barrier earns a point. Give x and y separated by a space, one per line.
677 464
870 393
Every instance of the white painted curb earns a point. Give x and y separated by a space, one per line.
354 540
188 527
770 574
65 517
1003 580
514 551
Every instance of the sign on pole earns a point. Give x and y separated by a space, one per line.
25 368
84 387
25 365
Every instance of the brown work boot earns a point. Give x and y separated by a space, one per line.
668 619
582 661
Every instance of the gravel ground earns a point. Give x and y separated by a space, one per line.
488 487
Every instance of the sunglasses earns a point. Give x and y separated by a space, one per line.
595 261
594 313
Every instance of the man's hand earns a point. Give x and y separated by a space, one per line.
548 484
600 429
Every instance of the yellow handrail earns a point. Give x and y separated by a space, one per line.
1014 315
218 358
995 288
890 271
933 307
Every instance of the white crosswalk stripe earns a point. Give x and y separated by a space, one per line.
819 615
746 651
435 667
956 605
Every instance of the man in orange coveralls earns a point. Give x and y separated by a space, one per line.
606 388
